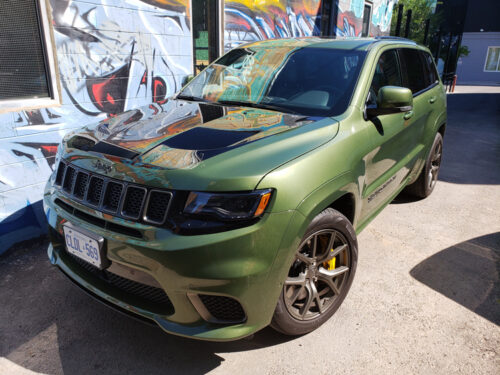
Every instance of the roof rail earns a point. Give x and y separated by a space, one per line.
382 37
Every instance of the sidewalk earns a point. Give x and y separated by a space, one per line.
466 89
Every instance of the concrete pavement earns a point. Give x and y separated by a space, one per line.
426 297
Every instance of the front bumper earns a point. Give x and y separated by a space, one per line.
247 264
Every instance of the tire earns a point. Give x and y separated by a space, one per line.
426 181
334 237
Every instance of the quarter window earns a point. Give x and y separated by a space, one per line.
492 60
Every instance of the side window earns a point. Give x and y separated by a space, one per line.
414 74
430 68
386 74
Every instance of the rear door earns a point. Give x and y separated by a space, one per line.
420 76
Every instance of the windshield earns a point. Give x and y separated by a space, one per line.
308 81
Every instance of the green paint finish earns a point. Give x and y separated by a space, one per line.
308 162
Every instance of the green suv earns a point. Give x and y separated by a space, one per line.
235 204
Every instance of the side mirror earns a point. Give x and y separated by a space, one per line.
391 99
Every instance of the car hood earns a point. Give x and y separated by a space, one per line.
183 144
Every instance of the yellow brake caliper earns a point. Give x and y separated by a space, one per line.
330 265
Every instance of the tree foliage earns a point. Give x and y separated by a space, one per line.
422 10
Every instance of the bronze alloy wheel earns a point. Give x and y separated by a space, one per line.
318 274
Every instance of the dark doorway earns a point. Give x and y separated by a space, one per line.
205 15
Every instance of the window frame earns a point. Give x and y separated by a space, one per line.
52 71
372 74
402 64
486 61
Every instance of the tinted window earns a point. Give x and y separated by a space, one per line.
430 69
414 76
386 74
310 81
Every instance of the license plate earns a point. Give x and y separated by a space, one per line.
83 246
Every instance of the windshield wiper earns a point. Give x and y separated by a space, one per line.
258 105
192 98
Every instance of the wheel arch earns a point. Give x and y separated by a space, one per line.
340 194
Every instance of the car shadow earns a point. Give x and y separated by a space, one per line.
471 152
467 273
40 304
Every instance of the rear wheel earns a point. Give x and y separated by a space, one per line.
320 276
427 179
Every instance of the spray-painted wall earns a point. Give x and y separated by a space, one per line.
350 17
251 20
113 55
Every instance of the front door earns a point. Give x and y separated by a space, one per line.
393 136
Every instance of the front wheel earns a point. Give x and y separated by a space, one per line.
320 276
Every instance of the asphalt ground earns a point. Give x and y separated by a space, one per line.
425 299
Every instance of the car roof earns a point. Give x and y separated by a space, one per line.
352 43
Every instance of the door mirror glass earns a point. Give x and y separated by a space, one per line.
391 99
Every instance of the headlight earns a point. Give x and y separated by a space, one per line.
230 206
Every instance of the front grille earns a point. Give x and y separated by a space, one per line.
60 173
134 199
69 179
116 197
81 183
157 206
224 309
95 190
142 292
112 196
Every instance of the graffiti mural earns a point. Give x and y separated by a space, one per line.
112 56
350 17
252 20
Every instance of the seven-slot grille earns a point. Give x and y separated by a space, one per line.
118 198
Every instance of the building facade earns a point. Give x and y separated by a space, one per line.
68 63
481 36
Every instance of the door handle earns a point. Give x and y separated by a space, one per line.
408 115
432 100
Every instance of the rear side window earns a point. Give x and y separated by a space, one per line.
431 73
386 74
413 69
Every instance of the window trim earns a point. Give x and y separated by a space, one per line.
372 73
486 61
53 79
402 63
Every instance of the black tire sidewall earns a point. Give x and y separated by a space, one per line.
428 164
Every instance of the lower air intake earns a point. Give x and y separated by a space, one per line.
224 309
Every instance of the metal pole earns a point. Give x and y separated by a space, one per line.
408 20
426 33
438 49
457 56
400 18
448 54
